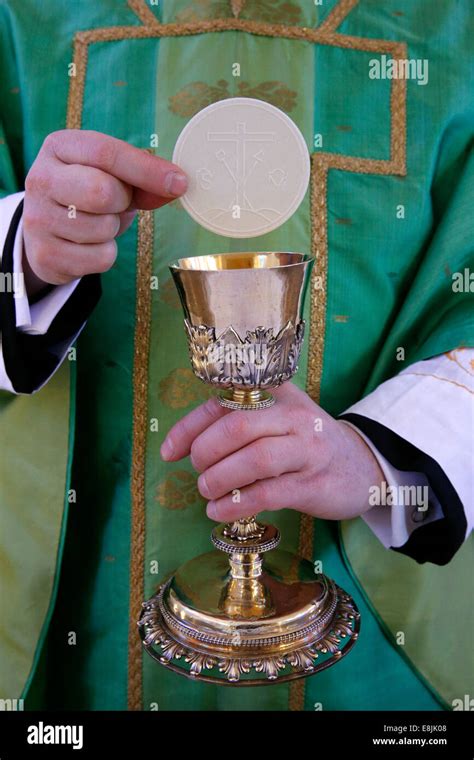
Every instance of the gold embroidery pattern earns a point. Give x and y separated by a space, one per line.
180 388
197 95
237 6
267 10
206 9
325 34
456 356
276 93
140 428
258 10
168 292
442 379
178 491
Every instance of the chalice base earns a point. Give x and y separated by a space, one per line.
286 623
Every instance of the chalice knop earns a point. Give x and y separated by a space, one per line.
246 613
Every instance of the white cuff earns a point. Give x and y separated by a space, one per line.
35 319
402 504
430 405
32 319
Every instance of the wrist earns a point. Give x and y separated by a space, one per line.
33 284
363 471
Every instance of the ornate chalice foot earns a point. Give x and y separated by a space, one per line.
247 613
256 616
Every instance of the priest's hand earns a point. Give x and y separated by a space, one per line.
291 455
83 191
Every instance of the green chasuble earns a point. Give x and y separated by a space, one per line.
91 519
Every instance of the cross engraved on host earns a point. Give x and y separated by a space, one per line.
241 138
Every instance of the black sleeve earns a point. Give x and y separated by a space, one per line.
31 359
438 541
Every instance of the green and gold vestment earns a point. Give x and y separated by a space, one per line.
86 504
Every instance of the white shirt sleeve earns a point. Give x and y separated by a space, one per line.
430 404
393 519
33 319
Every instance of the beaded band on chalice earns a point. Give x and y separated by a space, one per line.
246 613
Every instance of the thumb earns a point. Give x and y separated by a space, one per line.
176 184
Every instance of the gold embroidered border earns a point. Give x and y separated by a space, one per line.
319 248
453 357
140 428
337 15
143 11
442 379
258 28
321 164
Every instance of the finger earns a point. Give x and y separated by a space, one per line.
89 189
126 219
265 458
264 495
288 393
81 227
148 201
58 261
125 162
177 443
235 431
180 438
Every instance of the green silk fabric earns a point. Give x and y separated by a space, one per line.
34 431
425 612
176 235
386 278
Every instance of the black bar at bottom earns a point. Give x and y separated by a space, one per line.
149 734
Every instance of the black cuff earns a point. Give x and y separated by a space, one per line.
31 359
439 540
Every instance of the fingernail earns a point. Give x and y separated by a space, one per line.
176 183
167 449
202 486
212 510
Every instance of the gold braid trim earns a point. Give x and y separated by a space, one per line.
297 688
337 15
321 164
143 11
76 87
319 247
319 174
140 428
258 28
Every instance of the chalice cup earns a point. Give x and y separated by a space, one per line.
246 613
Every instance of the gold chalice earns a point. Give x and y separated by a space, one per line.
246 613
